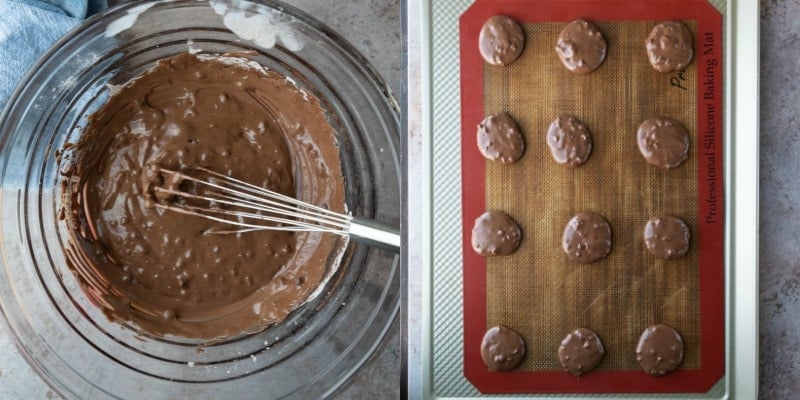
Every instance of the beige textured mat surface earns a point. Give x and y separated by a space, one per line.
538 291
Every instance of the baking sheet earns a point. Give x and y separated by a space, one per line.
537 291
440 371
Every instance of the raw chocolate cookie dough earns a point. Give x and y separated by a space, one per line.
501 40
580 352
660 350
666 237
495 234
167 272
664 142
502 349
581 47
669 46
569 140
587 238
500 139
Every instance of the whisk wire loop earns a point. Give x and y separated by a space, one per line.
286 213
250 208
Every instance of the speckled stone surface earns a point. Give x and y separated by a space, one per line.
374 28
780 200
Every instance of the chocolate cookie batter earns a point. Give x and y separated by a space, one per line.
580 352
660 350
169 273
501 40
664 142
581 47
569 140
502 349
587 238
500 139
669 46
495 234
666 237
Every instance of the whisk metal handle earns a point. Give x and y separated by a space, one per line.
375 234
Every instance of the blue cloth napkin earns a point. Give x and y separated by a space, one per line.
28 28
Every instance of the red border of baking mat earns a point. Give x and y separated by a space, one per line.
710 235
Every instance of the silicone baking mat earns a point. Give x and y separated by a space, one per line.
537 291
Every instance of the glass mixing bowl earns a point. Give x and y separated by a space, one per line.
65 337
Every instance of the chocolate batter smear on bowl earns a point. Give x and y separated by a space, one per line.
173 274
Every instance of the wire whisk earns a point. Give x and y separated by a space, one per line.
247 208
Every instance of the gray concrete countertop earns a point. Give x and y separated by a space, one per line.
780 201
374 28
